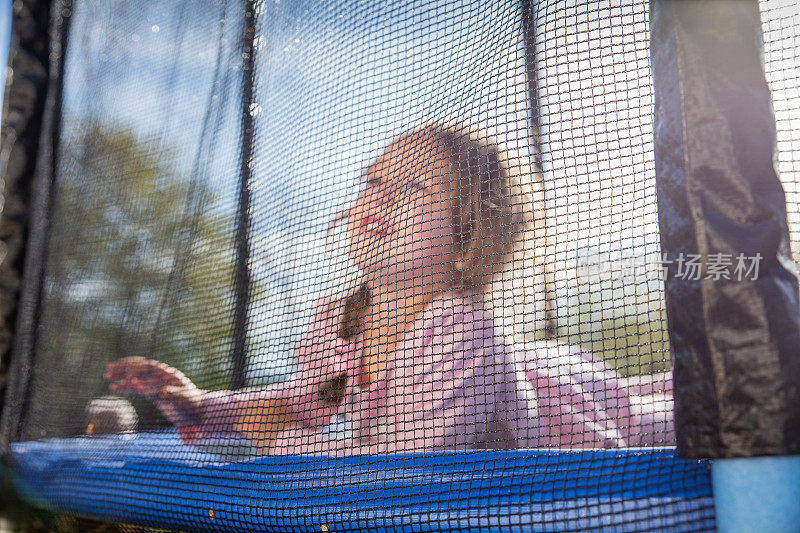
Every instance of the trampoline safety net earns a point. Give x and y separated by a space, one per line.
362 266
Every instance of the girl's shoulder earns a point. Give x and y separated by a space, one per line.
456 311
455 301
454 328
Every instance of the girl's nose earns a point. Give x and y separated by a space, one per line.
355 209
372 201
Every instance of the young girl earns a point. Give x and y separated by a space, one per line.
411 359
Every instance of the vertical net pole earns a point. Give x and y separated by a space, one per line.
529 31
242 267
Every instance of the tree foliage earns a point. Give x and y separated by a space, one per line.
140 263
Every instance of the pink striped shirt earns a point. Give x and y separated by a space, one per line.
451 384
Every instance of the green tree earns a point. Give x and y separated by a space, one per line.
140 262
626 329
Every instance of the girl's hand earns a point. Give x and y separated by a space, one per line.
321 351
168 388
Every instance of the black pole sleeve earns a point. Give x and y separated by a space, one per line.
30 133
735 342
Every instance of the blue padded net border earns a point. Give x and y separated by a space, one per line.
153 479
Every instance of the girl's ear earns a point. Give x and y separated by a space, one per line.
463 259
463 269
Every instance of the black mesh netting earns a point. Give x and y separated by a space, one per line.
307 236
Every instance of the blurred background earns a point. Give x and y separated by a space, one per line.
141 260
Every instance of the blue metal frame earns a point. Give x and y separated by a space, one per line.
757 494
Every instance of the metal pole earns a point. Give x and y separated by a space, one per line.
540 229
242 242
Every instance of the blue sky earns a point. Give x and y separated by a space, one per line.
337 82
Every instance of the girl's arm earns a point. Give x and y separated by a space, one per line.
582 403
309 399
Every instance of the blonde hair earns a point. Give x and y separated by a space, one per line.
491 212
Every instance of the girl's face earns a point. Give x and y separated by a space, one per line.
401 225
